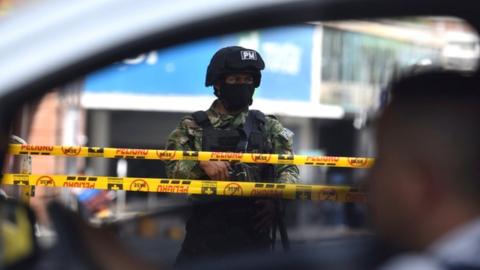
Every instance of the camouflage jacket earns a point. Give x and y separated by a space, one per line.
188 137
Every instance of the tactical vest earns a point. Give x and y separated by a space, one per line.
249 138
226 225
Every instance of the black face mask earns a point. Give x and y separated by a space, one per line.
236 96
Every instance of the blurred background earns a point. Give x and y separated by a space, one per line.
325 81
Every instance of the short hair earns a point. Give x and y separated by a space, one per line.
437 85
445 106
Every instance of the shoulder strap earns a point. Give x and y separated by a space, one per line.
258 114
255 121
201 118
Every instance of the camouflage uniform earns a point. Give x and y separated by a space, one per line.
225 227
188 136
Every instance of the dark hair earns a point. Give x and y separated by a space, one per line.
446 106
436 86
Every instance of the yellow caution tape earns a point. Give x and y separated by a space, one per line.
192 187
78 151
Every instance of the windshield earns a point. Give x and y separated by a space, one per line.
124 146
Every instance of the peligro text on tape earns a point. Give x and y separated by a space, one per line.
174 186
321 161
192 187
268 190
131 153
26 149
80 182
222 156
166 155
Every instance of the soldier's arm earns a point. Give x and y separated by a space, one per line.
282 143
183 139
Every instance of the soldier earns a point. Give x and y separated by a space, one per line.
227 225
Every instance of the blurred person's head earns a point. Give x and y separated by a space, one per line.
235 72
426 178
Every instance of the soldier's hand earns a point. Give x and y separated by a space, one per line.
265 216
216 170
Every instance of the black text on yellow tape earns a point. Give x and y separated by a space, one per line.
71 151
190 155
357 162
165 154
209 188
192 187
303 193
233 189
286 159
21 179
77 151
139 185
45 181
95 151
115 183
261 158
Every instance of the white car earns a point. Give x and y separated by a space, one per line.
50 43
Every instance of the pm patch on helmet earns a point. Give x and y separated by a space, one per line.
248 55
234 59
